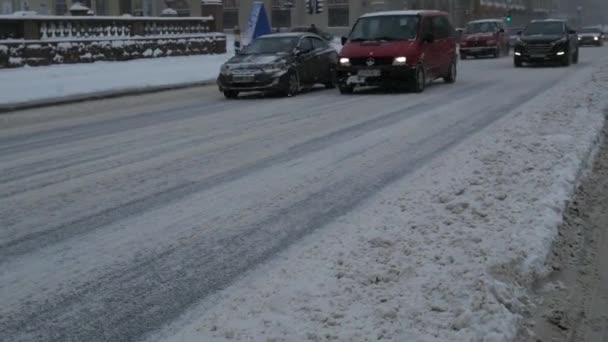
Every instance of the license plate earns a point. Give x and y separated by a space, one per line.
538 56
243 78
369 73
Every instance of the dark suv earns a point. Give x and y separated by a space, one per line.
545 41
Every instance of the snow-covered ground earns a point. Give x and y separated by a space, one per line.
54 81
41 83
445 254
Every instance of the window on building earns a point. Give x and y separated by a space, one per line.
337 13
231 14
280 18
61 7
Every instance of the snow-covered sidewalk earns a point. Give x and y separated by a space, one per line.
27 84
446 254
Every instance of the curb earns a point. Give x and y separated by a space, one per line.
106 94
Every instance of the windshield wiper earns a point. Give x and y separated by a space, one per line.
385 38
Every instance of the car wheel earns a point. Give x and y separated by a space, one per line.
231 94
419 80
517 62
452 72
292 84
346 89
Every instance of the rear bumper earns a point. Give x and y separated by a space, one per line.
389 75
478 50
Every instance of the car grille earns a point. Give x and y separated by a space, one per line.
539 48
362 61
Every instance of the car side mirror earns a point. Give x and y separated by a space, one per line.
428 38
344 40
297 51
501 31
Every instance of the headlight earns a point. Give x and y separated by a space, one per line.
225 69
344 61
596 38
274 67
399 60
579 38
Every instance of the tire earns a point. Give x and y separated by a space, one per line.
346 89
292 84
452 73
231 94
419 80
517 62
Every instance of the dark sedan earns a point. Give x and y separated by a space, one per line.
545 41
282 62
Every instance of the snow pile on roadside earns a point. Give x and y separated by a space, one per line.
445 254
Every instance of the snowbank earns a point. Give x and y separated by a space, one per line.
41 83
446 254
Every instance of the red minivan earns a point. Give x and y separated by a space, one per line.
396 49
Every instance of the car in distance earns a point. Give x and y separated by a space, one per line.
280 62
590 36
547 40
487 37
394 49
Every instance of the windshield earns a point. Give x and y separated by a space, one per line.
482 27
271 45
590 30
544 28
386 27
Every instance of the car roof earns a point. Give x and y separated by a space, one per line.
486 21
408 12
287 34
548 21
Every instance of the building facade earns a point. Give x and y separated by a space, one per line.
104 7
338 15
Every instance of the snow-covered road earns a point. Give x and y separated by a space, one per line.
127 219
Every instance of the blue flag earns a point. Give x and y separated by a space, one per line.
258 23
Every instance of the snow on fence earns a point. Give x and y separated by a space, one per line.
41 40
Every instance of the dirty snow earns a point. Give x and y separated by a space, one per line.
446 254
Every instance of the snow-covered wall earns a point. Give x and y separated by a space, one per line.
16 53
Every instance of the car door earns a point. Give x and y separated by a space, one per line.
306 60
428 52
440 45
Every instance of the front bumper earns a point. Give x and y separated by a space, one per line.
525 55
478 50
386 75
589 41
261 82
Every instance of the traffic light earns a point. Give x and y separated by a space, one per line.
309 7
319 6
508 17
315 6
